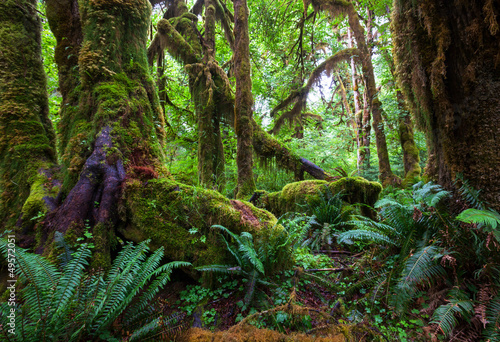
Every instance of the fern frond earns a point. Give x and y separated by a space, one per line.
435 199
38 280
470 194
485 217
65 256
365 235
375 277
421 267
251 287
445 315
69 281
164 272
492 330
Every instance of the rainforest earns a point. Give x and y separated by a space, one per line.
265 170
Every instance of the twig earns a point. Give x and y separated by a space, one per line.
329 269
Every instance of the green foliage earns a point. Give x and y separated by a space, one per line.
259 262
71 304
445 315
408 223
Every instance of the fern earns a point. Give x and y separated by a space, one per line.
470 194
492 330
419 268
445 316
72 304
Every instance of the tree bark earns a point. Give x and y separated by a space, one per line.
243 101
27 140
448 67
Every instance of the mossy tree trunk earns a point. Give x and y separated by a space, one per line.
27 140
448 65
358 111
335 7
211 158
243 101
115 137
116 129
411 156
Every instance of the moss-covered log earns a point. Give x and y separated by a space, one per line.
27 140
447 63
294 196
179 217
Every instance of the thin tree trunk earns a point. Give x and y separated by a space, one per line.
243 101
211 158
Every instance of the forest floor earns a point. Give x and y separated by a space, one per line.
219 306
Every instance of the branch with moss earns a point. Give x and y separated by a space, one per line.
299 97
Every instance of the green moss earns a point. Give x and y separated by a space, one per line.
26 134
295 195
164 211
102 237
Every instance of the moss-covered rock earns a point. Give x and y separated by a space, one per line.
179 218
295 195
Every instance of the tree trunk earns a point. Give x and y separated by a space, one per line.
358 112
114 147
211 158
27 140
340 6
447 59
243 101
411 156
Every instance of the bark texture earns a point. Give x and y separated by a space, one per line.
243 101
27 140
448 65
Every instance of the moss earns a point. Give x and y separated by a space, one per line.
26 134
164 211
294 196
102 237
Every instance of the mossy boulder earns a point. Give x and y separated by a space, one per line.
294 196
179 217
